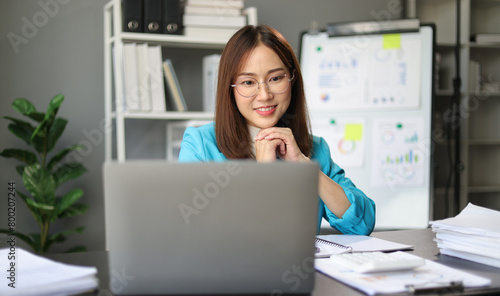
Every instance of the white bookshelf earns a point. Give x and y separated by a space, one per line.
114 39
480 111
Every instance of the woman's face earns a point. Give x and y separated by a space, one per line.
264 109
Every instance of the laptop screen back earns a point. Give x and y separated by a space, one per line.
208 228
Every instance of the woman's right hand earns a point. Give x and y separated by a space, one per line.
265 150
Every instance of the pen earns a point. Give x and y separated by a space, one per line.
452 287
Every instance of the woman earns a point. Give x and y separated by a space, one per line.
261 114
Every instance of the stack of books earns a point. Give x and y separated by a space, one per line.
486 38
472 235
218 19
143 86
149 83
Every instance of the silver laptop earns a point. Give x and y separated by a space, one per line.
210 228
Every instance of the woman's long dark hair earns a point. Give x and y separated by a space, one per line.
231 129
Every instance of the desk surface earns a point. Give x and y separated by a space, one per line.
421 239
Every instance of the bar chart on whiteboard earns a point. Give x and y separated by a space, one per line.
398 158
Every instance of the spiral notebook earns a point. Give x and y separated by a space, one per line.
327 245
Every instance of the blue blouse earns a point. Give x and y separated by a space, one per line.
199 144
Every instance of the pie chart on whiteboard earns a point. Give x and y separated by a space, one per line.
346 147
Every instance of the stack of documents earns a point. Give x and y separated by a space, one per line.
215 19
26 274
473 235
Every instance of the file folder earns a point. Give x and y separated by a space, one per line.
152 16
133 15
172 17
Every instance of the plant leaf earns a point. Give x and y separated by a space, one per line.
61 154
79 229
40 206
17 121
68 200
54 238
61 236
34 211
26 132
37 116
39 131
24 238
77 249
53 107
37 241
40 183
68 171
55 103
22 129
20 169
73 210
38 140
25 156
23 106
22 132
50 115
55 132
46 212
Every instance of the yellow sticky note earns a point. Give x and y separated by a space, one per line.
392 41
353 131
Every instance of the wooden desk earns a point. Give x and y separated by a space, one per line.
422 240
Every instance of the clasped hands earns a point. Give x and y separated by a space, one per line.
274 142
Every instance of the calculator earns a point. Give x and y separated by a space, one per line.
366 262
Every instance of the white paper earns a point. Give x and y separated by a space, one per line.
473 220
470 243
472 235
472 257
430 275
36 275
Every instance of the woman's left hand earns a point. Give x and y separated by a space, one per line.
291 152
331 192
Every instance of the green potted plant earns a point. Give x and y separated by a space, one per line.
41 175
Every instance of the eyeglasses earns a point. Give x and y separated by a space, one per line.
276 84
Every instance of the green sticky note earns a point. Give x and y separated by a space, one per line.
392 41
353 131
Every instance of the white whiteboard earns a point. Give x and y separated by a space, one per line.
370 97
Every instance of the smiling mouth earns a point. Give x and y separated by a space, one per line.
268 108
